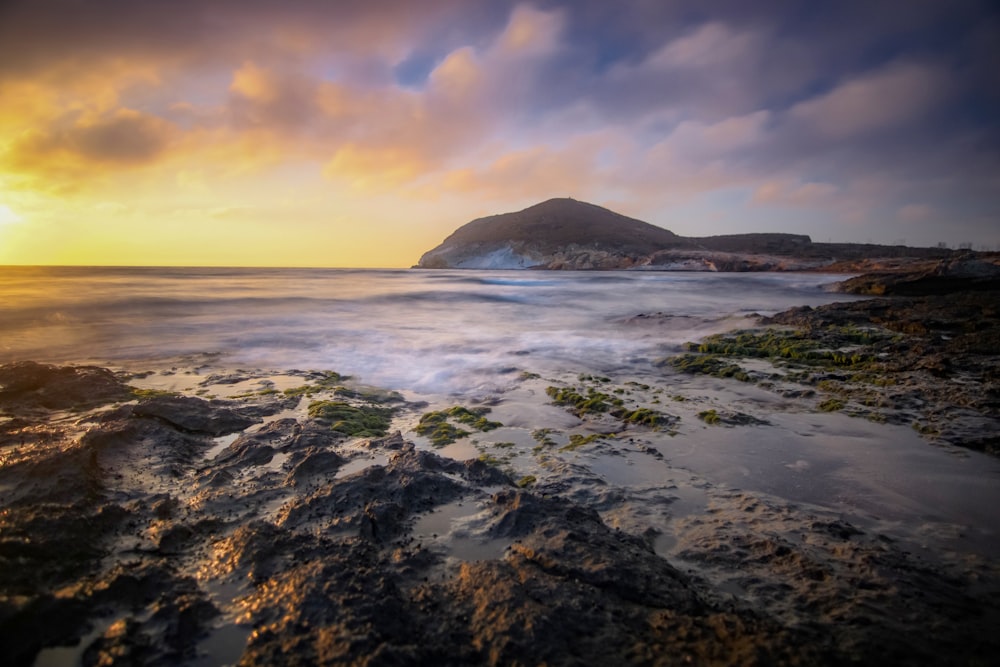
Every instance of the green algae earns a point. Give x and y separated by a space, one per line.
474 418
706 364
491 460
326 381
367 421
829 347
526 481
303 390
646 417
596 402
436 427
254 394
541 436
593 402
831 405
152 393
710 417
576 441
370 394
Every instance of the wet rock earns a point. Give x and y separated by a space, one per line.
321 464
835 574
130 530
928 361
27 385
194 415
124 643
963 274
391 442
376 501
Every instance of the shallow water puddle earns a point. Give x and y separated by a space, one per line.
688 500
276 463
223 646
462 450
71 656
361 463
624 470
221 443
451 524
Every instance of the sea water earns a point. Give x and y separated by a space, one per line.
417 330
452 337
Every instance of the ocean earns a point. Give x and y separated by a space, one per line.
444 338
422 331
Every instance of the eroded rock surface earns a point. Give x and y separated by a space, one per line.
139 533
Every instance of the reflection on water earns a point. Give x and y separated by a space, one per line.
436 331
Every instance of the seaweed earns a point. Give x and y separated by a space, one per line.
435 424
356 421
474 418
710 417
579 404
706 364
576 441
371 395
541 436
646 417
152 393
324 381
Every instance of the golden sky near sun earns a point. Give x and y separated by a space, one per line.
323 134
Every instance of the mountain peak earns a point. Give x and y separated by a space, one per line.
564 233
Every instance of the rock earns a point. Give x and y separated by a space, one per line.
939 374
944 277
565 234
193 415
26 384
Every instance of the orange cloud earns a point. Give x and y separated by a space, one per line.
63 155
530 32
790 193
372 168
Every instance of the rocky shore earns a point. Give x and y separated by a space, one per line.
322 522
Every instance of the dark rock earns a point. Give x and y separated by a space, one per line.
944 277
26 384
193 415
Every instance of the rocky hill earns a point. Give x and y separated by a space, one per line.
574 235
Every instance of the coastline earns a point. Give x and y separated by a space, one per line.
168 528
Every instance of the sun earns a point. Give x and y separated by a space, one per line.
8 216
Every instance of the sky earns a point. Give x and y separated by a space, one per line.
360 134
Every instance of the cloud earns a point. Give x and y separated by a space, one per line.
538 172
915 213
794 193
376 168
848 107
530 32
709 45
888 98
701 140
63 155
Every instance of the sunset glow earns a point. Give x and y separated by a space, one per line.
341 134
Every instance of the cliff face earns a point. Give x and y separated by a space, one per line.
573 235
